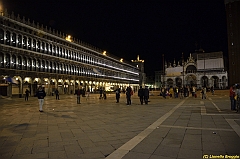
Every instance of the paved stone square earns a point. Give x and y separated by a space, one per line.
98 129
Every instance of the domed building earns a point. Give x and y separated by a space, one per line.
200 70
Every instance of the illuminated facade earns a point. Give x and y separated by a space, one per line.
201 70
35 55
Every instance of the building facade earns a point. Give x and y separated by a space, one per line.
233 28
35 55
200 70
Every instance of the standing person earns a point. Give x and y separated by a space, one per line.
212 90
40 95
88 94
104 94
27 92
164 92
117 91
146 95
204 92
232 95
128 95
78 92
141 94
57 94
101 93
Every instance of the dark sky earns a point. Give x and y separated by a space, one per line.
127 28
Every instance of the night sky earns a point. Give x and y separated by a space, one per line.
127 28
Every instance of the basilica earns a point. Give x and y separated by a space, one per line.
201 69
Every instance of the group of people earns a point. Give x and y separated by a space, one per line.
143 94
180 92
234 94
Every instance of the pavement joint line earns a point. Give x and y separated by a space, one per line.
234 125
124 149
216 106
204 112
195 128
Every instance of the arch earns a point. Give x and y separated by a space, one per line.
14 60
24 63
1 36
14 39
43 49
43 66
34 64
191 80
170 82
191 69
178 81
7 62
34 45
25 42
215 81
29 44
29 64
38 46
7 37
19 44
19 65
38 65
224 82
204 81
1 60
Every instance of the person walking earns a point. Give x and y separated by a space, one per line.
40 95
232 95
78 92
117 91
57 94
27 92
128 95
146 94
141 94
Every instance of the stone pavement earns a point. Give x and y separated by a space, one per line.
96 129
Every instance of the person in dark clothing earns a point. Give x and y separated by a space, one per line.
146 95
141 94
128 95
101 93
78 92
27 92
117 94
57 94
40 95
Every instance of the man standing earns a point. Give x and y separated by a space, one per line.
146 95
128 95
117 94
41 94
57 94
78 92
27 94
141 94
232 95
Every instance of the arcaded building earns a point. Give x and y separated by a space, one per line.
35 55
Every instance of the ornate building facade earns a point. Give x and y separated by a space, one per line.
35 55
200 70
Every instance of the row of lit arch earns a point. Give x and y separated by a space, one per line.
24 42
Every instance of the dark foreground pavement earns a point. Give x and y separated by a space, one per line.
96 129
